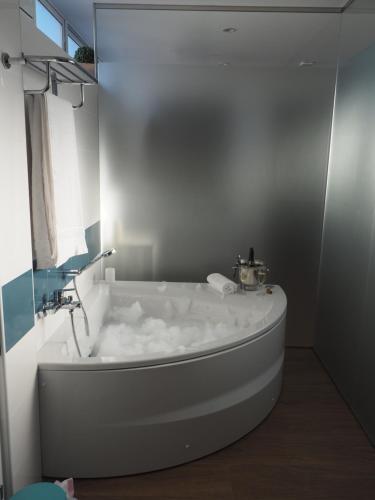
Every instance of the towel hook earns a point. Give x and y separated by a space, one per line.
82 87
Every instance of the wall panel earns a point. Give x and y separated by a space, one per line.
346 323
200 162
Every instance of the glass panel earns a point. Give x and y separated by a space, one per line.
48 24
72 46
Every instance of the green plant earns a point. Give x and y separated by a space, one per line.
85 55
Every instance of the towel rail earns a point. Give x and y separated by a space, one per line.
80 105
59 66
47 85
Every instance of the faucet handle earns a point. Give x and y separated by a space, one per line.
60 298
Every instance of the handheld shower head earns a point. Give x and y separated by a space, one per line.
75 272
108 253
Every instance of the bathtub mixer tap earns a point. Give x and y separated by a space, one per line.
61 301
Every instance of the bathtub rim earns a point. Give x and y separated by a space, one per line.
92 364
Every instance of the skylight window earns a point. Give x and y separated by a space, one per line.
72 46
53 24
49 24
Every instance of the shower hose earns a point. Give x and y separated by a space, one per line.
71 312
87 327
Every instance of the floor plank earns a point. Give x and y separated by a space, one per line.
309 448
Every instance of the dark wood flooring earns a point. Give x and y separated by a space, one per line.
309 448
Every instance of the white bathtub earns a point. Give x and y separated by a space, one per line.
111 416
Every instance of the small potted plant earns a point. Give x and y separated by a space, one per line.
85 56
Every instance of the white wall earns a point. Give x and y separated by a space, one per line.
28 6
15 248
15 256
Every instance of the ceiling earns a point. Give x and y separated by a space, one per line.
198 39
80 12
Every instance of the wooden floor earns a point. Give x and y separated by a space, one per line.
309 448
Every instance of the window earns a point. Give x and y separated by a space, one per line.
49 24
72 46
54 25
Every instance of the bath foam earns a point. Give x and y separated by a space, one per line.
149 326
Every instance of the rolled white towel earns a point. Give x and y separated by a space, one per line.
221 283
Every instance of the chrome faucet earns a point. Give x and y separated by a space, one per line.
61 301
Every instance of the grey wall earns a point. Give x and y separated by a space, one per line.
346 324
198 163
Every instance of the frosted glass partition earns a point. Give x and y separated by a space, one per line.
211 142
346 326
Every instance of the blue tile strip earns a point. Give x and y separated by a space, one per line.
46 281
18 308
17 295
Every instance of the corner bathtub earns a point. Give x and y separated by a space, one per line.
112 416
